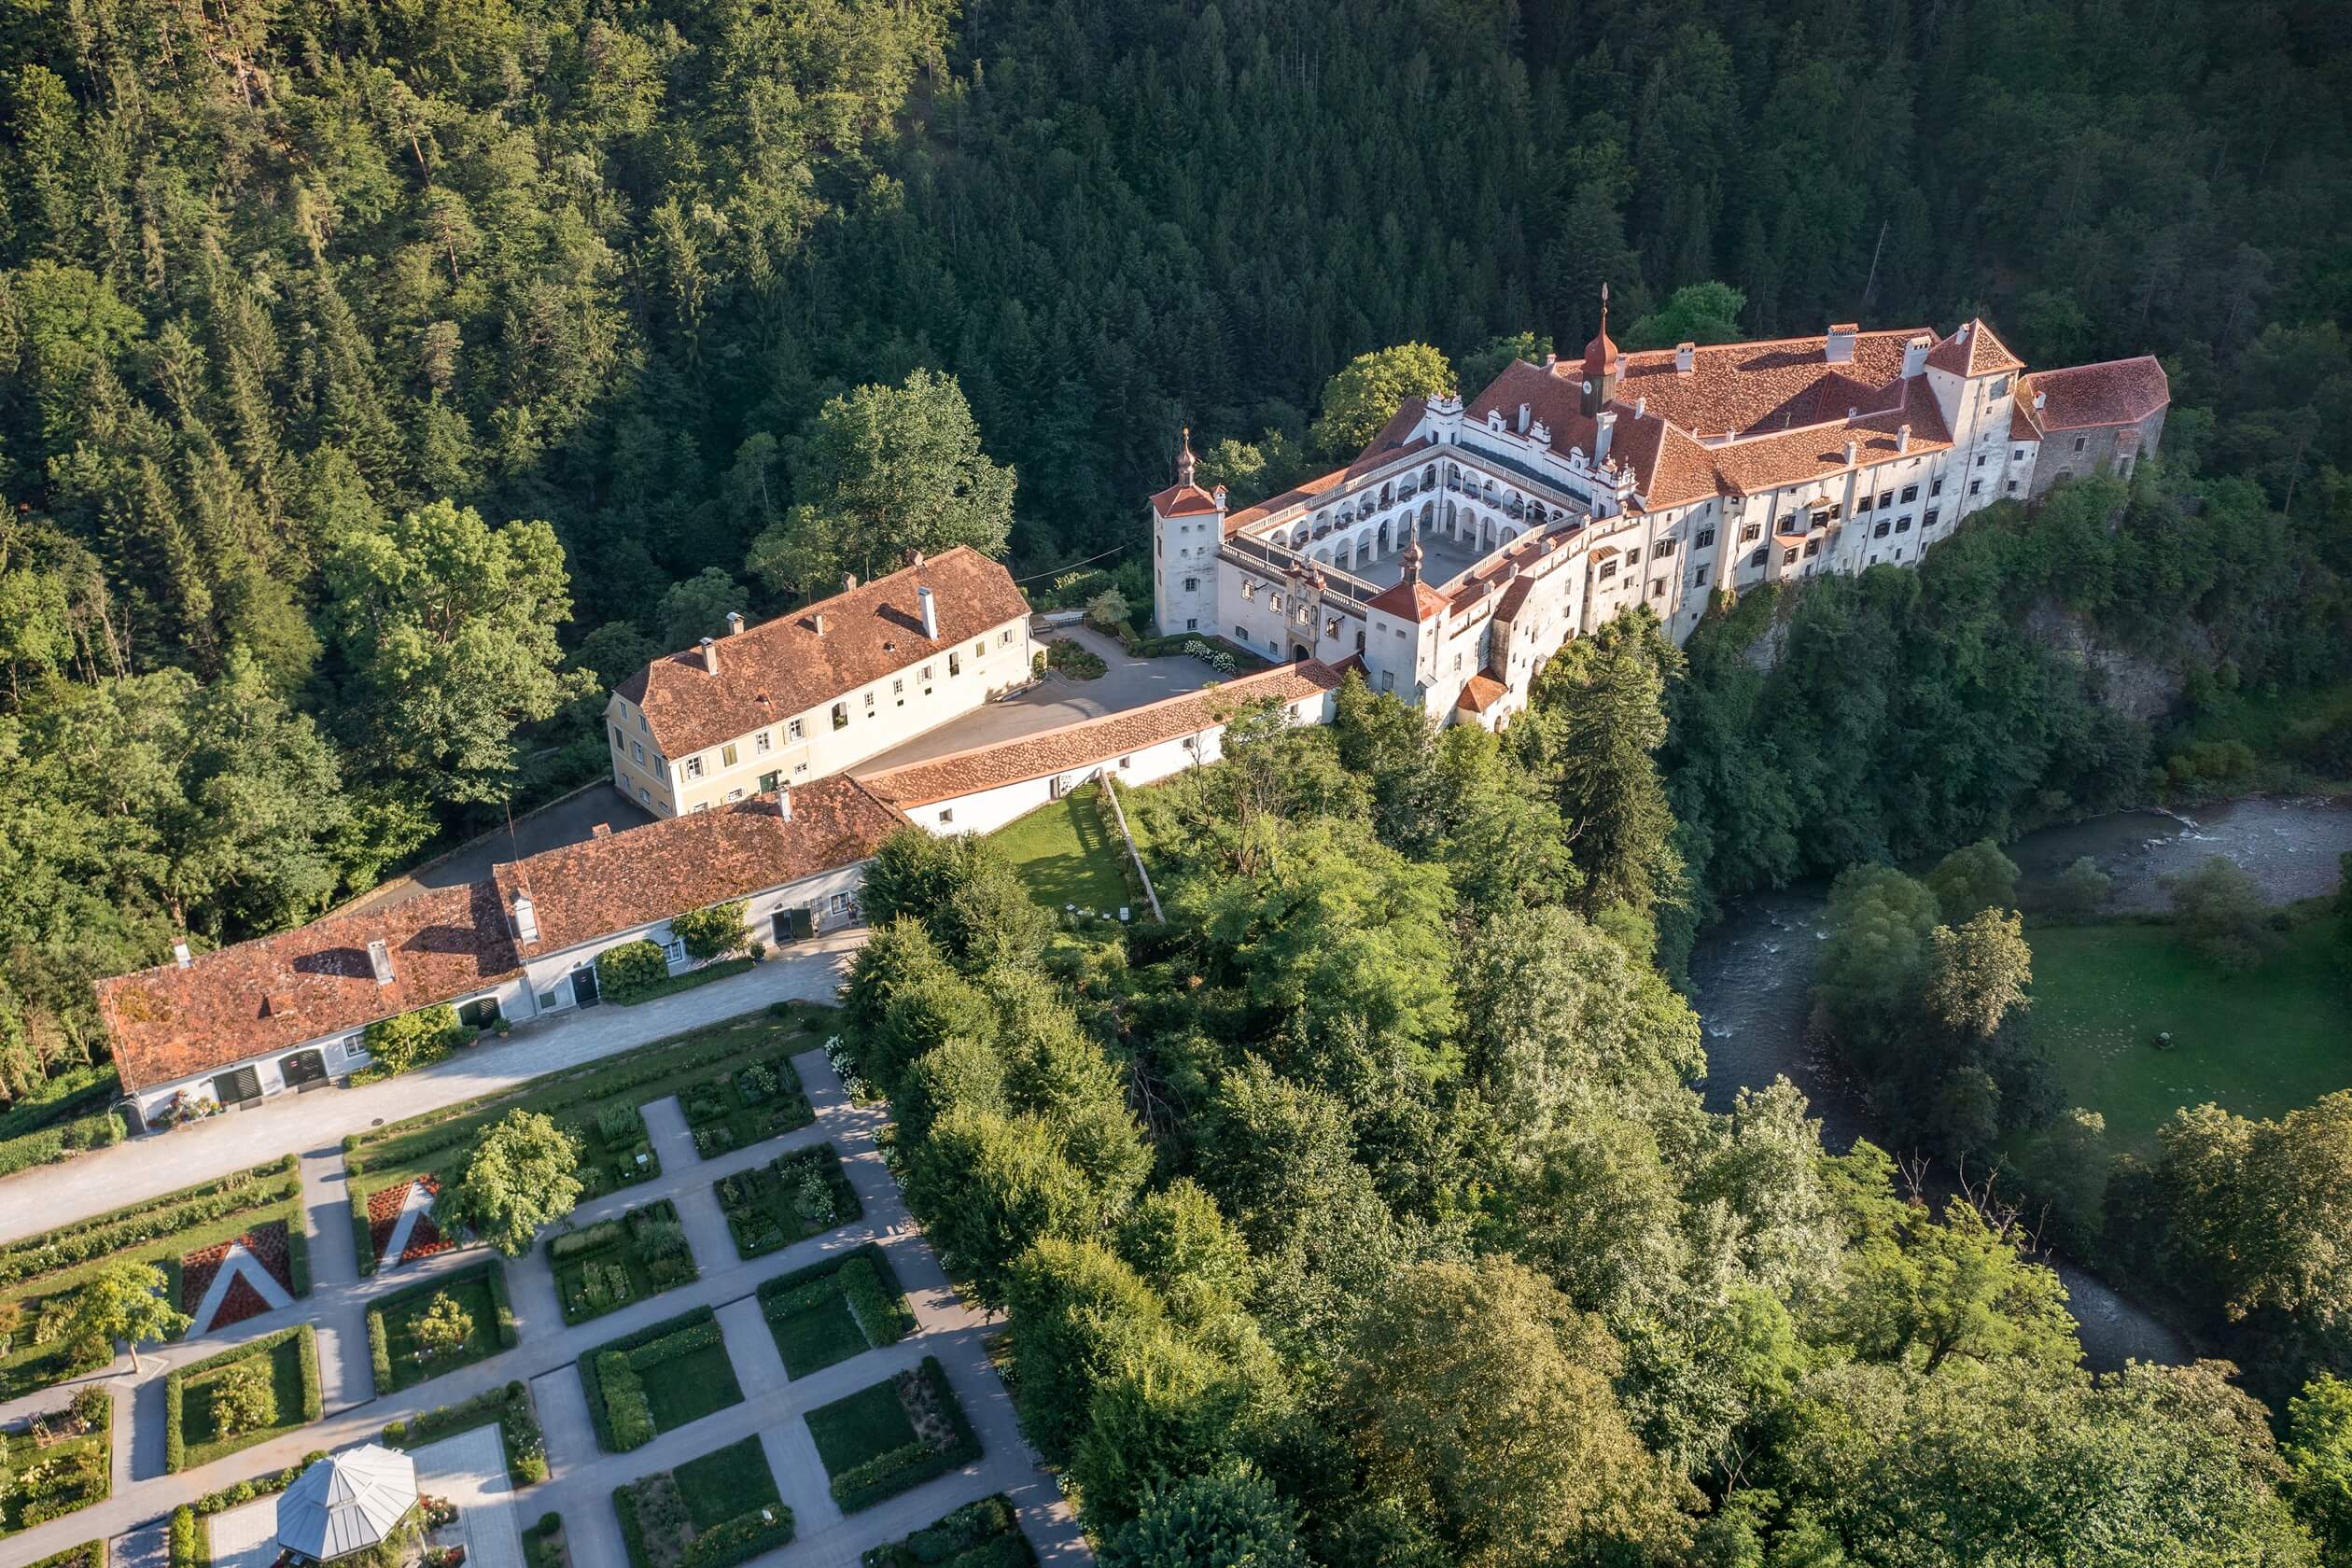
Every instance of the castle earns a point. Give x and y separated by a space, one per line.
1466 544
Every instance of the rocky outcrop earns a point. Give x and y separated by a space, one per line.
2133 684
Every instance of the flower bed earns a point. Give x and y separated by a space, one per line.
509 1407
62 1461
190 1437
268 1245
658 1380
609 1264
799 1194
744 1105
710 1512
384 1207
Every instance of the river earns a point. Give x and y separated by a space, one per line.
1752 970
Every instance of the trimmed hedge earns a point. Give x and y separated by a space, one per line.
121 1229
175 1383
672 1335
89 1554
625 971
509 1407
685 981
62 1141
186 1546
260 1486
887 1475
982 1534
865 1273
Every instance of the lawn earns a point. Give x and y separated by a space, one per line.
833 1311
745 1103
893 1436
2260 1043
161 1231
796 1195
982 1534
604 1266
658 1380
599 1102
191 1438
725 1503
866 1425
1064 854
479 1291
70 1474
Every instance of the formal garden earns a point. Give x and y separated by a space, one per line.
47 1330
980 1535
597 1104
604 1266
721 1508
429 1330
264 1388
796 1195
56 1461
744 1104
835 1310
896 1435
658 1380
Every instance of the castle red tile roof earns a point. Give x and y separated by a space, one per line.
276 992
1480 692
1408 599
1093 741
1184 500
1972 350
784 667
1384 447
2119 392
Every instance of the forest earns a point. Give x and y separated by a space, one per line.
1363 1213
381 381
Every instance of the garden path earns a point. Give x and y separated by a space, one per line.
469 1470
236 1264
245 1536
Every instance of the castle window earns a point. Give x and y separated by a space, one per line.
1758 558
1862 505
638 752
1902 524
1910 494
1999 387
1928 521
762 743
1788 556
1886 497
1192 585
1976 486
1880 532
2081 441
693 767
1750 533
1699 578
1936 488
1705 538
1249 591
898 691
1657 587
1662 548
1812 548
727 755
1608 569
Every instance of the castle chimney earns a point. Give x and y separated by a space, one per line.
181 955
1915 355
1641 405
380 962
602 830
1854 450
710 656
1686 358
1839 347
784 802
1902 439
930 615
525 920
1525 414
1218 495
848 582
1604 427
734 622
820 621
2039 398
914 558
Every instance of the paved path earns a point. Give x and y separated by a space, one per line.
145 1167
1054 701
469 1470
583 1476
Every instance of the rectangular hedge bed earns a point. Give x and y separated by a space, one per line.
392 1349
179 1232
791 1198
711 1512
74 1470
604 1266
982 1534
190 1435
899 1434
658 1380
510 1409
741 1106
833 1311
438 1142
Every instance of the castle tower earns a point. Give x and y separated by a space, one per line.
1602 363
1188 528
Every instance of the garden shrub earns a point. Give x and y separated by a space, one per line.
628 1414
121 1229
414 1040
713 932
185 1539
630 968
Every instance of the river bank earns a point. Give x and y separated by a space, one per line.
1752 975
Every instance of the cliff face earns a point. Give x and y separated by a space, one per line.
2132 684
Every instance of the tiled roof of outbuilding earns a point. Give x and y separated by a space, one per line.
784 667
2119 392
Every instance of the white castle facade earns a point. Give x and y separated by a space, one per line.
1466 544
